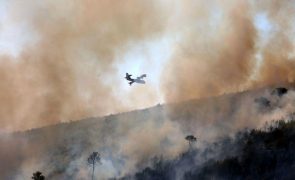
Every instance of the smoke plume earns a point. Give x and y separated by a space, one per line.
67 72
220 49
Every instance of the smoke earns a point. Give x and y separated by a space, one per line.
126 142
66 67
66 70
279 64
213 56
11 154
221 50
223 47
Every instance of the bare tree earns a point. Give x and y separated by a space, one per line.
191 139
38 176
92 160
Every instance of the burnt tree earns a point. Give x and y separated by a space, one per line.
38 176
92 160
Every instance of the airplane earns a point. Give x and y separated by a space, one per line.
137 80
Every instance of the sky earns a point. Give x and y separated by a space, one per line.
67 60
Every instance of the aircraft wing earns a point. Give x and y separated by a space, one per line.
142 76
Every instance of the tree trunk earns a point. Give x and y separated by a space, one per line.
93 171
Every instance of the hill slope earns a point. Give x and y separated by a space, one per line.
255 154
128 141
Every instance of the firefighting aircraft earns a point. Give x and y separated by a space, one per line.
138 80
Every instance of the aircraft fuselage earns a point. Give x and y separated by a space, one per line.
140 81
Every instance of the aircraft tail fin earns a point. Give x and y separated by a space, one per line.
128 76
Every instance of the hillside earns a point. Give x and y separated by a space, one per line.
251 154
127 142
